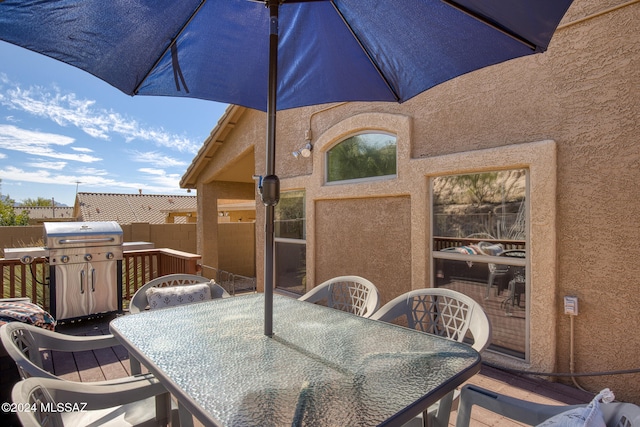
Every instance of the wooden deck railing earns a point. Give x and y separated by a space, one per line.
138 267
20 280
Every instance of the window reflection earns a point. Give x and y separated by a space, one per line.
485 214
489 205
290 242
362 156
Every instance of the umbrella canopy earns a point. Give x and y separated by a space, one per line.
279 54
328 51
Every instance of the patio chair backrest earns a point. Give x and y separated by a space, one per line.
140 303
24 343
441 312
353 294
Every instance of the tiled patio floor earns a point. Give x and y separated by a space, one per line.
110 363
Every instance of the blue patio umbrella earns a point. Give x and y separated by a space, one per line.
278 54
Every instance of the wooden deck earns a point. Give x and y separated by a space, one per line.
114 362
87 366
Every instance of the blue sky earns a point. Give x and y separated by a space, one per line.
60 126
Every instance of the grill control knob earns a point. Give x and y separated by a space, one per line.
110 255
64 259
88 257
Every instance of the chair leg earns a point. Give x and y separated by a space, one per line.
186 419
489 285
163 409
441 416
134 364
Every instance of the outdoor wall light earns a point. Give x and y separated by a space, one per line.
304 151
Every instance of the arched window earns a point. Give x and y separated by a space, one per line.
362 156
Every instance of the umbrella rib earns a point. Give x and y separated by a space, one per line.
171 44
492 24
364 49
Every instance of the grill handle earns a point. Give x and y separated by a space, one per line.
93 280
82 281
97 240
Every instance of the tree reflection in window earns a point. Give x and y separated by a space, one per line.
362 156
290 215
483 204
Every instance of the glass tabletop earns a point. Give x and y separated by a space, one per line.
322 367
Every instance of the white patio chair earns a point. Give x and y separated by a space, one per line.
25 343
615 414
442 312
131 404
500 270
140 303
353 294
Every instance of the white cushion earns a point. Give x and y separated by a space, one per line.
587 416
175 295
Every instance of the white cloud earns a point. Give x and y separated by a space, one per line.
40 144
92 171
11 173
158 183
156 159
47 165
68 110
3 156
166 181
82 149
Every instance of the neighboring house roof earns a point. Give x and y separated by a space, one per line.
45 212
129 208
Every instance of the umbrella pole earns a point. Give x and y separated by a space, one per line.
270 184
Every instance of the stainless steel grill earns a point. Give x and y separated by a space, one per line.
85 268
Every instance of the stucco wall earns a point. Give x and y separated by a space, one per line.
22 236
181 237
238 245
570 116
365 237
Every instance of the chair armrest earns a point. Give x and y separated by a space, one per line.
314 295
96 397
519 410
56 340
80 343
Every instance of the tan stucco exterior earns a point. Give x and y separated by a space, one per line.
569 116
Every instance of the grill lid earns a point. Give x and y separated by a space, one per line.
81 234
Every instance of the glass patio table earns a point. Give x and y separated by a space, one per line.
322 367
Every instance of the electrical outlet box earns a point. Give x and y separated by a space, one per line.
571 305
